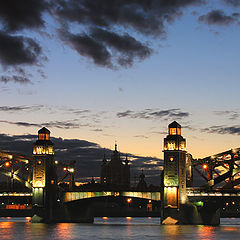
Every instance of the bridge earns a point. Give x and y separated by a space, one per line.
178 201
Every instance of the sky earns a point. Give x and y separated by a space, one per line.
96 72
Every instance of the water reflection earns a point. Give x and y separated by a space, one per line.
206 232
64 230
7 230
115 228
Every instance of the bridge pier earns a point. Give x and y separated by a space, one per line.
175 208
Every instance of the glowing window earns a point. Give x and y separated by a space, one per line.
173 131
41 136
171 146
182 146
178 131
39 150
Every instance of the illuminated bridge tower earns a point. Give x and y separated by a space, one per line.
174 182
44 178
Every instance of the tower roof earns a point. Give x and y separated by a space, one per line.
44 130
174 125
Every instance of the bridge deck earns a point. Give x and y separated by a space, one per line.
71 196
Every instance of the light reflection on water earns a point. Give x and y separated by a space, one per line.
116 228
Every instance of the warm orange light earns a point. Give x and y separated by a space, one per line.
205 166
64 169
105 218
129 200
41 136
7 164
149 201
128 218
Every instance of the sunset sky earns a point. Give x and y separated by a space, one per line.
122 71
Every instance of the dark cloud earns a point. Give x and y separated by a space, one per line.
88 47
17 15
116 47
20 108
88 156
16 50
71 124
218 17
80 112
235 3
15 79
151 113
128 47
223 130
146 17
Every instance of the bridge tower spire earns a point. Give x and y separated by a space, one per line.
44 178
174 182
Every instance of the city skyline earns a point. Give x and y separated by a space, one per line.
87 73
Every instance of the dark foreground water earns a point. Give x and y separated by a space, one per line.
115 228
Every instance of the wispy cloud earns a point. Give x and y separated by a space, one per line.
141 136
13 109
235 130
232 115
71 124
154 114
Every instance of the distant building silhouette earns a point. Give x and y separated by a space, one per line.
115 172
142 185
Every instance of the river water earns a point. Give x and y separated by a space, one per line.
116 228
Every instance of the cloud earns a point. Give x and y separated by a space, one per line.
141 136
97 130
218 17
105 37
235 3
18 15
235 130
88 47
151 113
17 50
71 124
15 79
232 115
20 108
125 45
16 47
88 156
